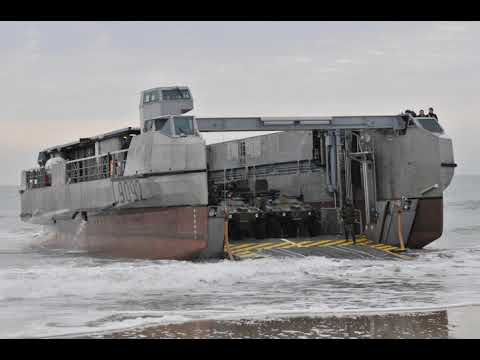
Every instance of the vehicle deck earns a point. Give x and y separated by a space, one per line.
316 246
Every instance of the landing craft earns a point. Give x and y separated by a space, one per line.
158 191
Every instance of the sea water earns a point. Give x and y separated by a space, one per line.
49 293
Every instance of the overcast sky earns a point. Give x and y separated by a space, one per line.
60 81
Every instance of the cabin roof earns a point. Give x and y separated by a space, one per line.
92 139
166 88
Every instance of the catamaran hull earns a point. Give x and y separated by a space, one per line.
183 233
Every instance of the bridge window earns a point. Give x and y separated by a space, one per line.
176 94
163 126
242 152
184 125
150 96
148 125
430 124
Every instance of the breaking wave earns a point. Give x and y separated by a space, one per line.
472 205
85 294
67 293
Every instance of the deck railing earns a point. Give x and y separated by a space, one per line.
96 167
262 171
37 178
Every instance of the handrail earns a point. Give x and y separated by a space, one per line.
96 167
97 156
37 178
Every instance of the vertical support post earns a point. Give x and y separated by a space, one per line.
400 223
348 169
97 149
97 171
338 169
226 243
366 190
331 163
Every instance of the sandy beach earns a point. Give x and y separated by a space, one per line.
456 322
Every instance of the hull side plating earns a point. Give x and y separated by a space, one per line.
428 224
178 233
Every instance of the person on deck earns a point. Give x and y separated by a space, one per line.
421 113
410 112
348 216
432 114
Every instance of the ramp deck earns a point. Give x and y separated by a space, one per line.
317 246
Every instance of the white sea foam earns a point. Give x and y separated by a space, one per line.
60 293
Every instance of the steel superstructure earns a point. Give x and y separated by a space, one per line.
159 191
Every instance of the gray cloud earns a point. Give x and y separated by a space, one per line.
64 80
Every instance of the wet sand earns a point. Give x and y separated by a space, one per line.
457 322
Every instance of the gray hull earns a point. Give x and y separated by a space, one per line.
391 169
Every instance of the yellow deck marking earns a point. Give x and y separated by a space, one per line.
287 241
382 249
273 246
347 242
386 247
400 256
245 255
258 247
238 247
318 243
304 243
377 246
250 249
285 246
239 252
298 244
250 245
289 244
280 245
334 243
254 246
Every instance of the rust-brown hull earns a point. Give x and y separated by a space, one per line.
178 233
428 223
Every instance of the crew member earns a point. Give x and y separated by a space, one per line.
348 216
421 113
410 112
432 114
